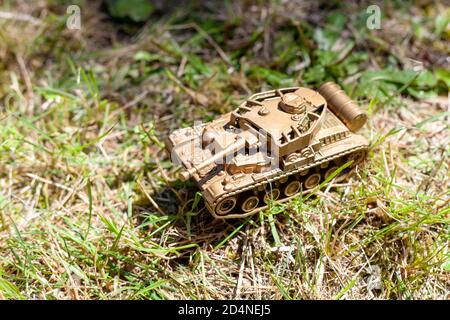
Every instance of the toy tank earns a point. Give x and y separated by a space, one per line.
275 145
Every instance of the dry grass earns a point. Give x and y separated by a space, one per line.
89 204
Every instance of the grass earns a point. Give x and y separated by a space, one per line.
90 207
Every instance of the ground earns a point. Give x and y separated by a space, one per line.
91 207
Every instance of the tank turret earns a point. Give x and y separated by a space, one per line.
275 145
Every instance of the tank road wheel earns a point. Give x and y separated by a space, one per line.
272 195
250 204
357 157
226 205
312 181
340 177
292 188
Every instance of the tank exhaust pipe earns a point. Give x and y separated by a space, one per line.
343 106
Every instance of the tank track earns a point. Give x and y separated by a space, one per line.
276 180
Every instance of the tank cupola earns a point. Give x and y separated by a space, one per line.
293 103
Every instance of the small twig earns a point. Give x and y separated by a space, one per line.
426 182
58 185
61 186
196 96
254 277
19 17
69 195
132 103
181 67
74 287
241 269
166 180
27 80
31 213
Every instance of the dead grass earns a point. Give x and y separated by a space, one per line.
89 204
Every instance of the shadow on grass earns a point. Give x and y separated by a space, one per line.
178 212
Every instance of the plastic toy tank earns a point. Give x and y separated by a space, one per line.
274 146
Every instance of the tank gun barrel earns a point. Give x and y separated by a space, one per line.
238 144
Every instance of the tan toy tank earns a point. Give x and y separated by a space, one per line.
275 145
